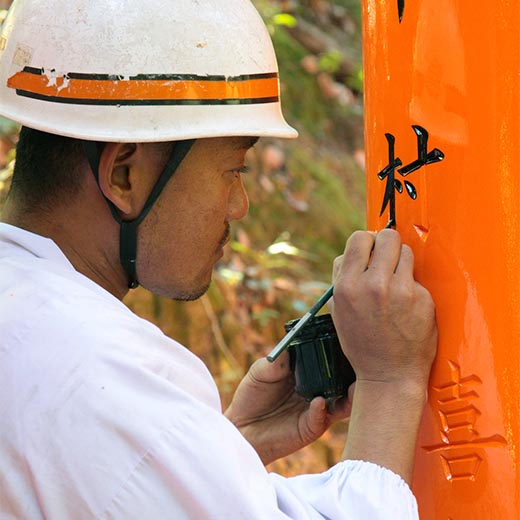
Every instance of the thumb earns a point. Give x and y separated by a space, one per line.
262 371
314 421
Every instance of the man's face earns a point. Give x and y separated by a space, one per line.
183 236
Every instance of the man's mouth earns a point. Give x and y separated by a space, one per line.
225 237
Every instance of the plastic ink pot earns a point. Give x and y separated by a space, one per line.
317 360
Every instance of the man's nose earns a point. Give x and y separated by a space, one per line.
238 201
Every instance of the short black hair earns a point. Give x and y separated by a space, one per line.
49 170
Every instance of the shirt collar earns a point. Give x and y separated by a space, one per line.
15 241
36 245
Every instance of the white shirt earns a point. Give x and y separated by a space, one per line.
103 416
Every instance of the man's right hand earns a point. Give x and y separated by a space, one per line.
384 318
386 324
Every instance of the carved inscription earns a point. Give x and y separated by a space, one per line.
461 447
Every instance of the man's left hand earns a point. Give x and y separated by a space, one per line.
273 417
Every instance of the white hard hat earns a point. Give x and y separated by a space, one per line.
134 71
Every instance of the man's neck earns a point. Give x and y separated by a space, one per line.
89 243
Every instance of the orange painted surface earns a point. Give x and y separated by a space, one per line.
452 67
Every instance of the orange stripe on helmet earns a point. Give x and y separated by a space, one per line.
92 89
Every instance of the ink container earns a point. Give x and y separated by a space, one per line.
320 367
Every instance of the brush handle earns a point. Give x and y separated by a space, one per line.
284 343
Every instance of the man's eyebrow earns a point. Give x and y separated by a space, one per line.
253 141
246 142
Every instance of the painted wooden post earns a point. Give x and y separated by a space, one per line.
442 98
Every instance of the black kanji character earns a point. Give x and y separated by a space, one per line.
392 183
400 9
423 156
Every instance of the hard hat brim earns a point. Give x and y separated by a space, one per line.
155 124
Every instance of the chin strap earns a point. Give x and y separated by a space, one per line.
128 229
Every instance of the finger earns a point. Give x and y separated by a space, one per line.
357 253
282 363
406 262
265 372
351 392
336 266
330 306
315 420
339 410
387 250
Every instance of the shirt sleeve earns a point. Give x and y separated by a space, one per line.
196 483
353 490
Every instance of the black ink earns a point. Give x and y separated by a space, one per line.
410 189
400 8
392 183
388 172
423 156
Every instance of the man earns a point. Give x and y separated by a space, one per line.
135 126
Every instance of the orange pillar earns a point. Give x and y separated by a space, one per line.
442 140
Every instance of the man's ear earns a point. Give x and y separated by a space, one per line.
115 181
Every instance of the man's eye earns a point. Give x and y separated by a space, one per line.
235 173
244 169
